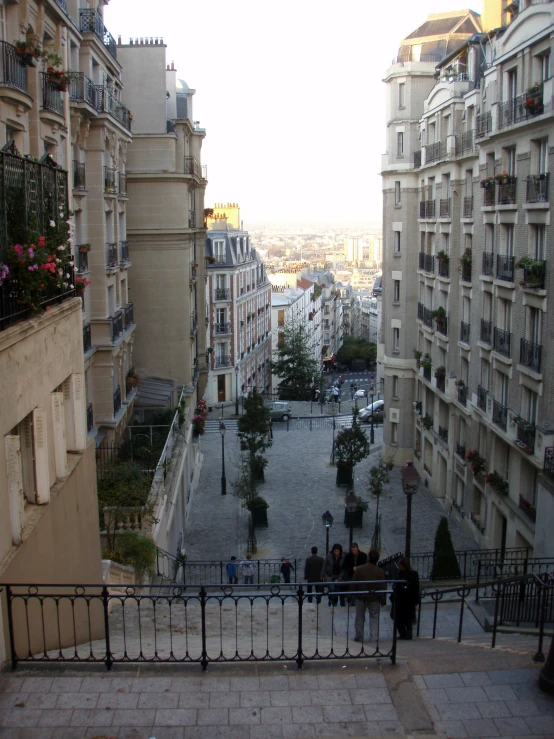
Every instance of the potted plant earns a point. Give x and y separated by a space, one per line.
358 516
84 248
487 182
209 350
427 421
27 52
476 461
440 372
440 317
258 509
497 483
426 362
533 101
210 260
351 446
442 256
460 383
58 78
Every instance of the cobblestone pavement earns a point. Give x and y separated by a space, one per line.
299 487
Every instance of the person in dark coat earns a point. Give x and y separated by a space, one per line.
312 574
405 598
331 573
370 601
353 559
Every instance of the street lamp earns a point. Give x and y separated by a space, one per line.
222 430
351 503
371 433
236 390
327 519
410 484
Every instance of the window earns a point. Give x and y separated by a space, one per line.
281 317
397 193
394 433
511 85
489 238
544 66
510 159
485 374
396 339
539 238
397 242
219 251
395 386
400 144
401 94
396 297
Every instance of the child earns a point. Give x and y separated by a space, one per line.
286 568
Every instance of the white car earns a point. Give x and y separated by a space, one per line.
361 393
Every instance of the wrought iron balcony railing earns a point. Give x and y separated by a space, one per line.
79 178
464 332
222 293
108 103
462 395
110 182
82 89
504 267
528 508
124 251
499 415
441 382
193 323
222 360
90 21
117 400
444 207
426 262
51 95
427 209
192 219
521 108
417 159
122 183
530 355
222 328
444 267
442 325
461 450
465 143
87 340
427 373
502 341
526 435
90 418
112 257
534 276
435 152
192 166
483 125
486 331
468 207
507 191
537 188
82 259
13 73
481 398
443 433
548 465
129 315
117 325
489 196
465 270
428 317
487 265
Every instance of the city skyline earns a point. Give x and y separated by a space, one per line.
291 97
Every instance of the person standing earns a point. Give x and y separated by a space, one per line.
312 574
331 573
286 569
405 598
353 559
372 601
247 570
232 571
336 394
352 391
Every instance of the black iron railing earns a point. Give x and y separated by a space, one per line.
481 398
13 73
192 221
444 207
87 340
537 188
90 418
428 317
221 293
521 108
435 152
110 181
530 355
13 310
222 360
90 21
468 207
192 166
426 262
486 331
124 251
222 328
526 435
441 383
465 270
534 276
108 103
79 179
489 196
117 326
487 265
483 125
504 267
442 324
548 465
129 315
420 308
528 508
193 323
82 89
417 159
112 257
465 143
461 450
443 433
502 341
51 95
462 394
122 183
82 259
499 415
464 332
444 267
507 191
117 400
427 209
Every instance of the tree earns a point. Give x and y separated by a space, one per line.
445 562
352 445
355 348
379 476
254 432
296 364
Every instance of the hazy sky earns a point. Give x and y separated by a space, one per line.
291 96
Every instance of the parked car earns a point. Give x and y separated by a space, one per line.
361 393
279 411
377 409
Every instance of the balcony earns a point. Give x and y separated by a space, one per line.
427 373
489 197
462 395
129 315
481 398
530 355
465 143
548 465
193 323
461 450
112 257
507 191
417 159
427 262
465 270
444 207
90 21
443 433
504 267
441 382
117 326
90 418
222 293
483 125
464 332
82 258
110 179
124 251
108 103
192 167
486 331
87 340
534 275
117 401
537 188
442 324
444 267
528 508
468 208
13 72
192 223
502 342
222 360
526 436
521 108
82 89
427 209
51 95
122 183
222 328
435 152
499 415
487 264
79 179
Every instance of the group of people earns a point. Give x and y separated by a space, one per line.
350 577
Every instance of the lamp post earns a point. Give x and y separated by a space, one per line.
327 519
371 433
410 484
236 390
222 430
351 503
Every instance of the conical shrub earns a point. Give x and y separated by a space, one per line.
445 565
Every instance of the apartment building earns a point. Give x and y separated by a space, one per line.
237 310
333 328
467 209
